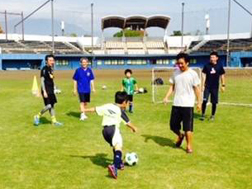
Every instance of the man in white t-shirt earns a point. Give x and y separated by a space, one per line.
185 85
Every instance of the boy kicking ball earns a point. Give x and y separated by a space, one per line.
113 115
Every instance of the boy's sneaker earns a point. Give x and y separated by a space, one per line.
112 171
202 118
121 166
36 121
57 124
211 118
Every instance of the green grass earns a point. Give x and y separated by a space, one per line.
76 155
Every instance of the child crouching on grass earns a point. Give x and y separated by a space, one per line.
113 115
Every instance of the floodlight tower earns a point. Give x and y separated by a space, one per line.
63 28
182 26
207 18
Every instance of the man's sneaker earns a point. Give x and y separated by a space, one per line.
112 171
211 118
57 123
36 121
202 118
180 140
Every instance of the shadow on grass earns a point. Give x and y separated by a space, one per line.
161 141
73 114
196 115
99 159
44 120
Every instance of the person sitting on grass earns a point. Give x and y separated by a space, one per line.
113 115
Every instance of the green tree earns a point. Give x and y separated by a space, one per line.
177 33
73 35
130 33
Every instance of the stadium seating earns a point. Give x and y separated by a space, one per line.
221 45
32 47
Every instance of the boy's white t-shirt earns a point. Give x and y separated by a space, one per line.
112 115
184 83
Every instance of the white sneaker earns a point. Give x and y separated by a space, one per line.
83 117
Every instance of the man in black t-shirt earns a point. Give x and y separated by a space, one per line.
47 90
211 74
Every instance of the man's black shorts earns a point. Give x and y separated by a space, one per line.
184 115
214 95
84 97
51 99
130 98
108 133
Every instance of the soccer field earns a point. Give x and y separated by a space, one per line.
76 155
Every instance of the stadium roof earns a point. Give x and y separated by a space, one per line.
135 22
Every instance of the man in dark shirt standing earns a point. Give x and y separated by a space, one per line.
47 90
211 74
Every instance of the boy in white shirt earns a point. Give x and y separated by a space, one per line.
113 115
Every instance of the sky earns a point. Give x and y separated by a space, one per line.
76 15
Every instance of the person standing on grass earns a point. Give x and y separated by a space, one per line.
211 74
185 85
47 90
83 80
113 114
128 85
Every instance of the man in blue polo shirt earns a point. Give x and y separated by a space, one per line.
83 80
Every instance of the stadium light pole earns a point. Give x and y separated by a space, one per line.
6 21
22 18
62 28
6 25
92 31
207 18
228 32
22 21
182 26
52 17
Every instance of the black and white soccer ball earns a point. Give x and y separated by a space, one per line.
131 158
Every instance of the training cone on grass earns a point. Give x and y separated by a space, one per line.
35 90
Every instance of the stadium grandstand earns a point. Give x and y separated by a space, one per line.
120 52
134 45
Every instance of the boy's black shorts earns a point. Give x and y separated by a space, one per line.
130 98
184 115
84 97
214 95
51 99
108 133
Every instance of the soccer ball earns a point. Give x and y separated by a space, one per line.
104 87
131 158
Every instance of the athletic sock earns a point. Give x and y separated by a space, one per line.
117 158
39 115
53 119
214 107
131 107
204 107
